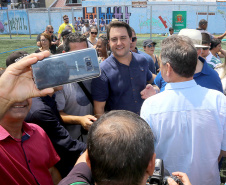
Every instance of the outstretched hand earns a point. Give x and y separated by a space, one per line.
148 91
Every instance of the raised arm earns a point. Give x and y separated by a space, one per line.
16 83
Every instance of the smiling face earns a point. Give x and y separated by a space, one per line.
119 41
101 48
44 42
18 111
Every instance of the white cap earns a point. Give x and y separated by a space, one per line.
194 35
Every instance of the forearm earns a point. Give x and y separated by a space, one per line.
59 36
99 108
56 177
222 154
221 36
70 119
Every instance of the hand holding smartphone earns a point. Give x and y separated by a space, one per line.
66 68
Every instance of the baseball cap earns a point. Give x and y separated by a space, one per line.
147 42
194 35
15 56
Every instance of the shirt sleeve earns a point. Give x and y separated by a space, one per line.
61 28
99 88
54 157
60 99
80 173
157 80
149 75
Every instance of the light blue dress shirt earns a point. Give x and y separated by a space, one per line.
189 125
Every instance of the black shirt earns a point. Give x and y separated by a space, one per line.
44 113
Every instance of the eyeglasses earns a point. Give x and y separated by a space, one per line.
134 39
150 46
205 48
65 18
43 40
94 33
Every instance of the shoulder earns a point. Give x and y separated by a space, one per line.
140 59
36 128
37 105
107 63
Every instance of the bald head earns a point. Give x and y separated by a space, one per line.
120 146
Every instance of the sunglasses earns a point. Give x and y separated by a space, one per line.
134 39
65 18
50 31
150 46
205 48
94 33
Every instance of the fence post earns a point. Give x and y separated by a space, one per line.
98 20
28 20
49 16
207 13
73 20
150 21
124 13
9 24
197 19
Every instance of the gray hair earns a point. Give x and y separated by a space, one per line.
181 54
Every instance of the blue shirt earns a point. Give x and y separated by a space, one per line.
151 63
189 126
206 78
160 82
120 85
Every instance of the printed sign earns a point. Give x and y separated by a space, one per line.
179 20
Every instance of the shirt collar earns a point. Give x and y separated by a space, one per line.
28 131
205 68
180 85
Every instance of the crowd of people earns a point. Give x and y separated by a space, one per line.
109 130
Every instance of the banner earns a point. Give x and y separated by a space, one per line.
179 20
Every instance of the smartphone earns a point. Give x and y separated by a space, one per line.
66 68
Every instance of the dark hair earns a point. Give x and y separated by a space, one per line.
202 22
133 31
120 147
214 43
65 16
170 29
104 39
119 24
206 38
47 37
181 53
72 38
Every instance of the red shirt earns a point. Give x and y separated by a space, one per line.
26 160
